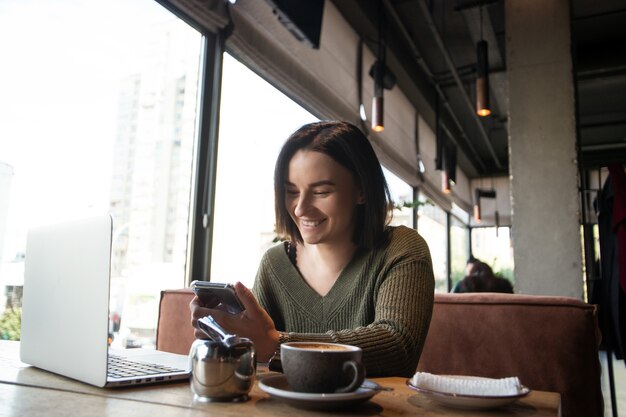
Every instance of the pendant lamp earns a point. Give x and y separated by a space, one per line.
378 105
482 73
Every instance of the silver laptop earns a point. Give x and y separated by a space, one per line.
65 310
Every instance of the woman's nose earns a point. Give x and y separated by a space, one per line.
302 205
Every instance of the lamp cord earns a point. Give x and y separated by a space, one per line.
481 22
381 32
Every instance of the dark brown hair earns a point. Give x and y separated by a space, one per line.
482 279
348 146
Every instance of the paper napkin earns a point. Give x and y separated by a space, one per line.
464 385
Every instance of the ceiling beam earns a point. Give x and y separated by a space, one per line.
452 67
442 96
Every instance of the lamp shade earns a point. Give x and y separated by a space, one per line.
445 182
477 212
482 79
377 114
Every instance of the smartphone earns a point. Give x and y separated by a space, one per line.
218 295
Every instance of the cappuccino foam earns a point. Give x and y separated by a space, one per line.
321 346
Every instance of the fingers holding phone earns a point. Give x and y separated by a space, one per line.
251 321
198 310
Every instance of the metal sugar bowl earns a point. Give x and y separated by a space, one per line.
224 367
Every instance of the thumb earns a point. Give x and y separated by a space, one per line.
246 297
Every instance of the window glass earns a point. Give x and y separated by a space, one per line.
98 115
432 225
459 249
255 121
493 246
402 196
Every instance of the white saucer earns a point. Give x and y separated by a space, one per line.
277 387
469 402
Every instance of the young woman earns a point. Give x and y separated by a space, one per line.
341 275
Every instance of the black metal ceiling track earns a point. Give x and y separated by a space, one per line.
596 157
598 34
474 4
452 67
467 145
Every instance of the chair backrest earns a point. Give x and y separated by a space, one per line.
174 330
550 343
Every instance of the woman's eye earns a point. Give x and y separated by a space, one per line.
292 192
321 192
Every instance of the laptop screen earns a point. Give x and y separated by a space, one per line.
65 304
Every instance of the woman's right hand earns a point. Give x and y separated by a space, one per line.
253 323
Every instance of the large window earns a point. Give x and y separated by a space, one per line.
433 225
97 114
459 249
255 121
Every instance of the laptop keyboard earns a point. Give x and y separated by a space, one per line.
120 367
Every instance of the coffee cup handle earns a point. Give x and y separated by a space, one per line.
359 376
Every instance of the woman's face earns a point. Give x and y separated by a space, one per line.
321 196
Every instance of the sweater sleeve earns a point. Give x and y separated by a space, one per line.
393 342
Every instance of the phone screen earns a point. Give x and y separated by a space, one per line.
217 295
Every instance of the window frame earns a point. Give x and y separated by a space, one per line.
205 161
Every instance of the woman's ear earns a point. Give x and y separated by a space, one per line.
361 198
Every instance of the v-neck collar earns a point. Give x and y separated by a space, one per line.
322 307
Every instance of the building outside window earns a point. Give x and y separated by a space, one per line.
98 116
432 224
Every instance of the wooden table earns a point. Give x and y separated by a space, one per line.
28 391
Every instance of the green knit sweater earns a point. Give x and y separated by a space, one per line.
382 302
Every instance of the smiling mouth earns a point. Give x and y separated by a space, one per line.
311 223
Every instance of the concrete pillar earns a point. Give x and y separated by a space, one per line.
542 148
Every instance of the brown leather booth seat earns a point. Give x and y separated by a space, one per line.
550 343
174 330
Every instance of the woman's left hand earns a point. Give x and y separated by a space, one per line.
253 323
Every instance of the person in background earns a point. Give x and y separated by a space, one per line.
482 279
342 274
471 261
